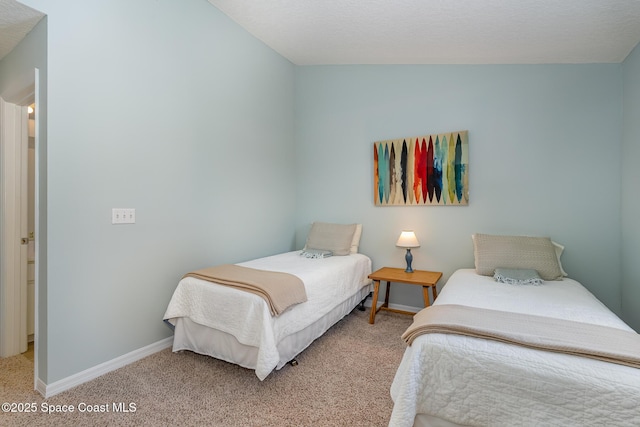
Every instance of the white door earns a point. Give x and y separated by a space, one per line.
14 131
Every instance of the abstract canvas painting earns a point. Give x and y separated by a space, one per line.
424 170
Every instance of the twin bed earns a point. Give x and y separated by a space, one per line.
237 326
449 380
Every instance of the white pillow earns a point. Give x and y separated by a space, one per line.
355 243
516 252
559 249
336 238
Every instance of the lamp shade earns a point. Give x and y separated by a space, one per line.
408 239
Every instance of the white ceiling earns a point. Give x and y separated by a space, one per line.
16 20
311 32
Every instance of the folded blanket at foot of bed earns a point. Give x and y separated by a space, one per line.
539 332
280 290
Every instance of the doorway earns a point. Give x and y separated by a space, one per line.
18 222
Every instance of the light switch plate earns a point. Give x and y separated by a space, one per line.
123 216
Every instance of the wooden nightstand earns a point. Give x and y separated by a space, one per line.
426 279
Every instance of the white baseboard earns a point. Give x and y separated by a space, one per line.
48 390
395 306
41 387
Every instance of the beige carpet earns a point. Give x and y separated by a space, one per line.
342 379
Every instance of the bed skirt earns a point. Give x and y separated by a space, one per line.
192 336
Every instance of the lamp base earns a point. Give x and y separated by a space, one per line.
409 258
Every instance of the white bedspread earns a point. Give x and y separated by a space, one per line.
328 282
472 381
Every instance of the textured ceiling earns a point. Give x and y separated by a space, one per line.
16 20
417 31
310 32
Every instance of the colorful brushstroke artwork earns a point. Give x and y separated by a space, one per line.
425 170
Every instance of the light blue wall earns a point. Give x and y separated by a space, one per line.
172 109
544 143
630 197
17 78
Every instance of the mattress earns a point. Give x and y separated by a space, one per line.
236 326
455 380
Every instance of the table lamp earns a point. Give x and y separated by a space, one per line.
408 240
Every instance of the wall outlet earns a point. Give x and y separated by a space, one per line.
123 216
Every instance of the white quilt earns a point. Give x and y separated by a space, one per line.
477 382
328 282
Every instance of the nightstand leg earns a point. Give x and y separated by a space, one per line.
425 295
386 295
374 302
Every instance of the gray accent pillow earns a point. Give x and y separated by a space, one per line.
520 252
516 276
315 253
336 238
